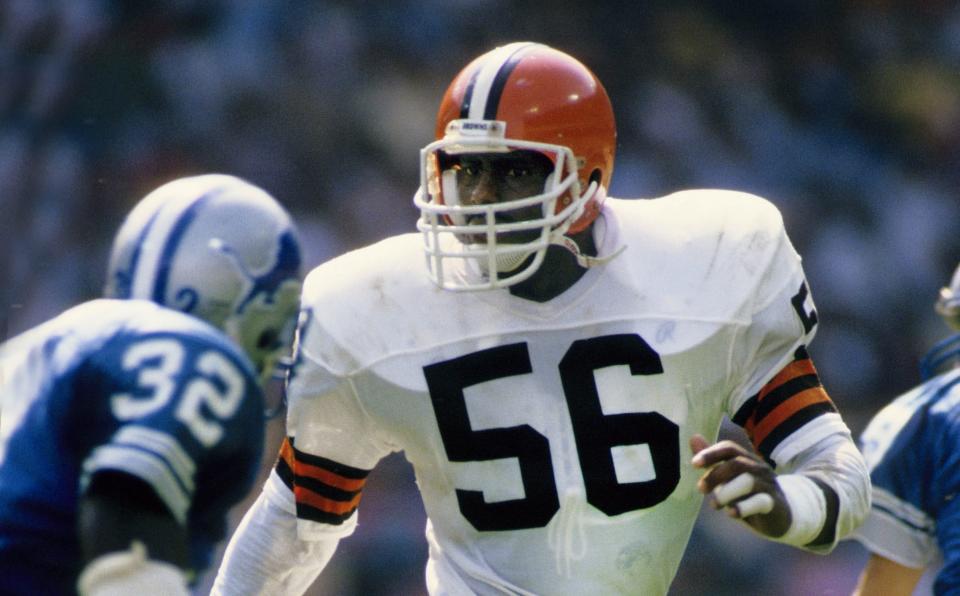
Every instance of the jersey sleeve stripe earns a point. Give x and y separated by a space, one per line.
325 491
798 369
165 446
144 465
335 467
285 472
305 496
904 512
784 411
793 397
785 429
742 417
323 470
284 469
801 367
306 512
771 402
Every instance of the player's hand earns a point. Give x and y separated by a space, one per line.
741 484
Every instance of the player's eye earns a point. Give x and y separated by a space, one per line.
467 170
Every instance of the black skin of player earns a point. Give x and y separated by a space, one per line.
488 178
117 509
726 460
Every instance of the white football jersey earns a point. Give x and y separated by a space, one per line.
550 440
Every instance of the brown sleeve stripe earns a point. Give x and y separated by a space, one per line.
797 368
793 397
306 496
324 490
773 399
800 367
778 434
323 470
285 472
759 430
742 417
307 512
328 464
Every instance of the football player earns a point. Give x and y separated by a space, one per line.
132 423
912 448
554 364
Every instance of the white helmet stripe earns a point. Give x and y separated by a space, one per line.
160 244
490 79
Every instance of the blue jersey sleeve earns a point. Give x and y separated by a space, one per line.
948 524
913 449
946 487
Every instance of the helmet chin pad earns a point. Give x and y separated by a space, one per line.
503 262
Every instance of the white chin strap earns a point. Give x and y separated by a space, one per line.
586 261
510 261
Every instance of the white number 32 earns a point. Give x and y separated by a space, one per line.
158 363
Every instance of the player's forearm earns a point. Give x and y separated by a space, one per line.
265 556
837 466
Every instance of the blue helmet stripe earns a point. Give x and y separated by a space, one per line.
123 282
481 99
499 82
172 244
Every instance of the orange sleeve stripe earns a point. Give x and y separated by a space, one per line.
784 411
286 453
329 478
308 497
797 368
317 473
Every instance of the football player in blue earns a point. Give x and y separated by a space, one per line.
130 424
913 449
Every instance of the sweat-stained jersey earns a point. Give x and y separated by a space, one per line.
122 385
550 440
912 447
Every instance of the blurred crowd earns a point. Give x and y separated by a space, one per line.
844 113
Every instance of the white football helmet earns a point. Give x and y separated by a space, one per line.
948 302
523 96
947 350
220 249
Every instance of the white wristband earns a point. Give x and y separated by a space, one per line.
808 509
131 572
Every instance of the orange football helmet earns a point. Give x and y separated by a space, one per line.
521 96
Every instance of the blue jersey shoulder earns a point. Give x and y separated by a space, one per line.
912 445
123 386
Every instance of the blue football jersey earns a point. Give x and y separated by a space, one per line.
128 386
912 447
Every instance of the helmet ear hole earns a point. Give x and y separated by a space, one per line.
595 176
269 339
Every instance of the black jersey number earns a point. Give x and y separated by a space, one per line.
595 433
